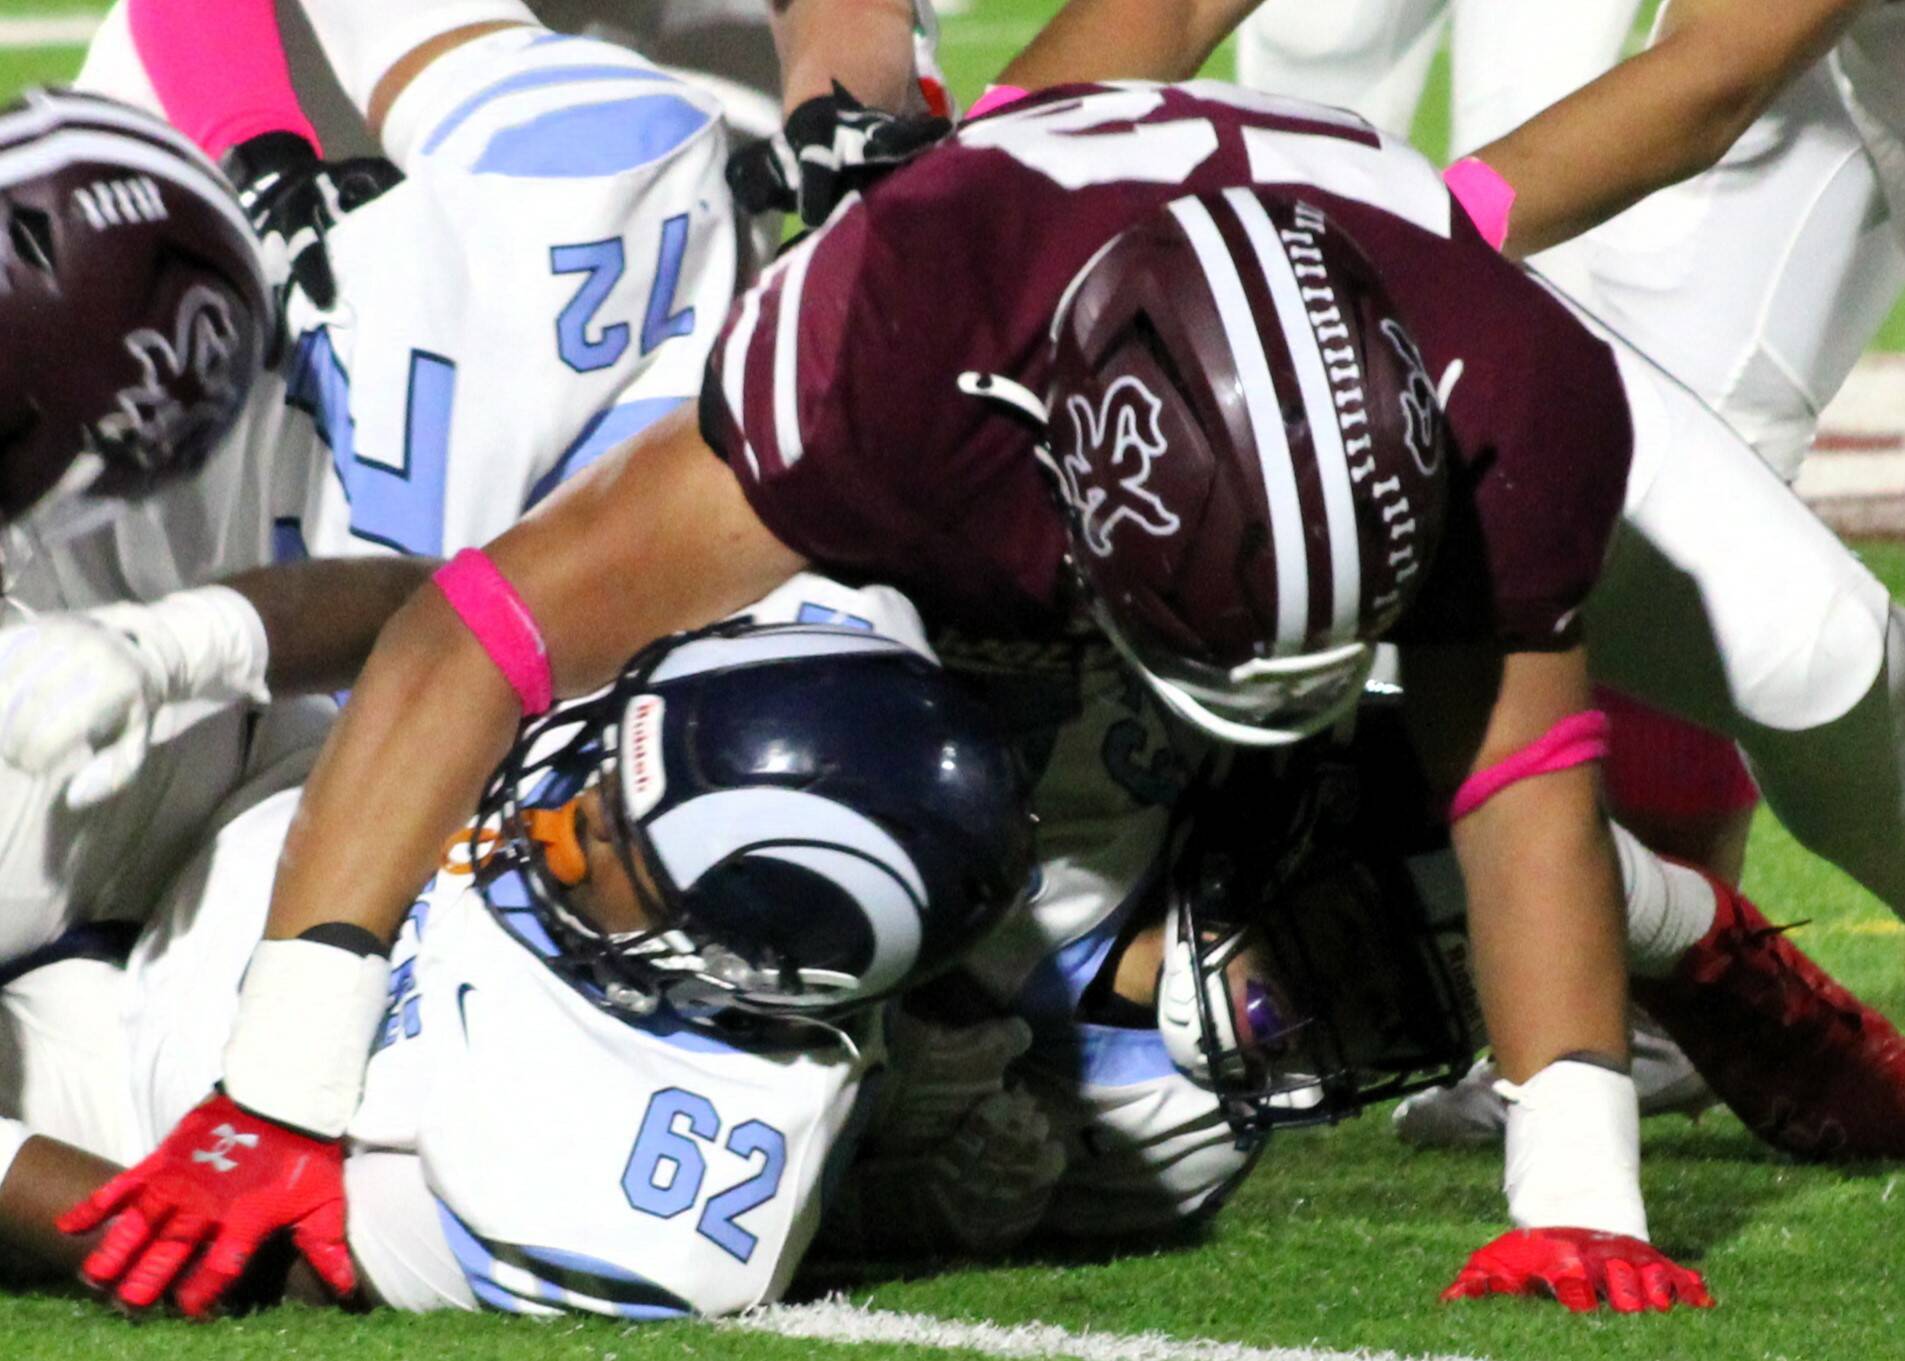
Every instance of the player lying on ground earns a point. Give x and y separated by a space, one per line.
688 889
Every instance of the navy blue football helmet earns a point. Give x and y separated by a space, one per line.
812 818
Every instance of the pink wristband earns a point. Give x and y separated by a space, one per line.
1575 740
219 69
1484 195
490 608
995 97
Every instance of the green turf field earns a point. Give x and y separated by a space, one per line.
1340 1241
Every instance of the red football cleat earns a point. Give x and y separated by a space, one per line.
1810 1068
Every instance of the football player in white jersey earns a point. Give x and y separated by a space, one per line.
686 891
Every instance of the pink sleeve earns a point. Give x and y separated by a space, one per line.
219 69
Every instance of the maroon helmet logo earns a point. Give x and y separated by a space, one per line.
1420 410
187 380
1110 462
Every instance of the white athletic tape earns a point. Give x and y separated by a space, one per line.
838 1320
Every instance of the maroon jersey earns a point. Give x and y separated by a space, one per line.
833 392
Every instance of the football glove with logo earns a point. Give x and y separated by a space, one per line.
225 1177
294 199
1579 1267
832 146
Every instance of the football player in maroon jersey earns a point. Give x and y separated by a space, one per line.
1295 403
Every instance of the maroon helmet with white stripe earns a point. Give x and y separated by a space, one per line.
134 312
1251 458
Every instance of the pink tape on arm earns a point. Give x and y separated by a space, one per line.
219 69
995 97
490 608
1484 195
1574 741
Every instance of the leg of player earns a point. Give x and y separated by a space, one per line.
1725 601
377 54
1510 60
1371 56
1760 282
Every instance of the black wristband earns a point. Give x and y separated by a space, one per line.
346 936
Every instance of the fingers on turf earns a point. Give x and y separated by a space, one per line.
320 1238
125 1238
221 1265
148 1277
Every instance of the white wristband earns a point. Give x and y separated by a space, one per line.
13 1137
307 1013
1574 1150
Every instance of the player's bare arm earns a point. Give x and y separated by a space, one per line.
865 45
45 1178
1543 888
91 683
1093 40
1661 116
589 563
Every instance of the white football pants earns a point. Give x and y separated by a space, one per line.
1511 58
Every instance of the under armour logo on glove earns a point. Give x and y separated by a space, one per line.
832 146
219 1154
191 1193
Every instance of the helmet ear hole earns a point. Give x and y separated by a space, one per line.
30 233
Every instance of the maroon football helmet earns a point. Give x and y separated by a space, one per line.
1251 458
134 312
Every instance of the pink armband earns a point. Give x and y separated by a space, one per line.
995 97
490 608
1575 740
218 67
1484 195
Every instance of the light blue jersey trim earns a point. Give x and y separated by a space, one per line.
593 139
1109 1056
561 1280
605 430
533 80
1051 992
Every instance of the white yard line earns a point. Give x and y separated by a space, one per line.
837 1320
48 30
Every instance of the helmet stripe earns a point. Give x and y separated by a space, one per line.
1314 375
1266 420
62 148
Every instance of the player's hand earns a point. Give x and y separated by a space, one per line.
294 199
1578 1267
223 1177
87 685
832 146
936 1074
980 1189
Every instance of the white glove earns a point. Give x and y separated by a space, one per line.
88 684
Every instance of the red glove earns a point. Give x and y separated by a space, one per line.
226 1175
1577 1265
